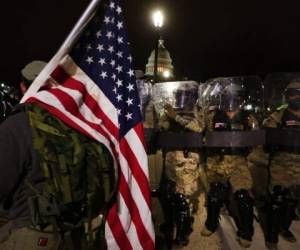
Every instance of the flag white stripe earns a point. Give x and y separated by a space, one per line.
110 239
136 192
86 112
131 138
51 100
134 188
73 70
137 196
83 108
129 227
139 151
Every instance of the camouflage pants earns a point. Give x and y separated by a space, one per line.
184 171
29 239
285 170
229 168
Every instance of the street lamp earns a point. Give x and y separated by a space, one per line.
158 20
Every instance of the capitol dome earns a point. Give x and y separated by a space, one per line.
165 68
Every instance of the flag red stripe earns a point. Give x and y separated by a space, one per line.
136 170
114 222
70 105
112 218
143 235
125 148
60 75
139 130
60 115
74 84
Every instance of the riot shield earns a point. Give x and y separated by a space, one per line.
181 95
275 84
283 101
231 102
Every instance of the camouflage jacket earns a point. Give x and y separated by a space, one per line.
195 122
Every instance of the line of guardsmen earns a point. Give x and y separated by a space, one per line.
212 136
215 135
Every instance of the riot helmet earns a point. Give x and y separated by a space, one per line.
278 87
144 90
186 96
233 97
292 95
181 95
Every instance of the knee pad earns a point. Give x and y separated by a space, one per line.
279 195
243 196
217 191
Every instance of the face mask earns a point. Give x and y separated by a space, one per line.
294 104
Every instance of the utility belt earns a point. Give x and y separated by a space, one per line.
285 140
72 221
75 228
231 142
228 151
190 141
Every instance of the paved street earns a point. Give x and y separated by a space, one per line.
225 237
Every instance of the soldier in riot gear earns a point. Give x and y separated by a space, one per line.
228 145
181 121
283 135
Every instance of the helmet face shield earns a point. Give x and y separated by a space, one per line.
281 89
181 95
232 94
232 102
233 97
186 98
144 90
292 95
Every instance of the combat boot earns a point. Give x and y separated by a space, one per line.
183 219
288 214
245 217
274 211
214 204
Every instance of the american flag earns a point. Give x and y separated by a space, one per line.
97 95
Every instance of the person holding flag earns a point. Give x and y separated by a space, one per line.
74 171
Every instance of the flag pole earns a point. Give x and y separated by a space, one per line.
63 50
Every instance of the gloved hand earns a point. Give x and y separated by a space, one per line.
170 112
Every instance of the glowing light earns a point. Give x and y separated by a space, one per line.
158 19
166 74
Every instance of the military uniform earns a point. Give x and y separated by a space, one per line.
54 182
229 166
284 169
225 165
183 167
181 170
229 139
285 164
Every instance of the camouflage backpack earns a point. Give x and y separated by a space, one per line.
78 173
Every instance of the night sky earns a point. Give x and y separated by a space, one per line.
205 38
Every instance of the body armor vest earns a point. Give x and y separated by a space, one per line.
290 123
78 172
175 127
180 138
222 123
